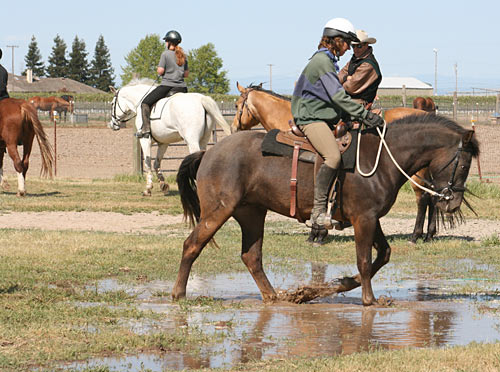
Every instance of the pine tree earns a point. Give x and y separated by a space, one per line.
101 71
143 59
78 67
33 59
58 64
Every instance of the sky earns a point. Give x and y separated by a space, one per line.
250 36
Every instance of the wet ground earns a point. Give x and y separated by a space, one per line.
425 312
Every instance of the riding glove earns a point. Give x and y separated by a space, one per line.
372 120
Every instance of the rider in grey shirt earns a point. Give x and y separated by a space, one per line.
173 68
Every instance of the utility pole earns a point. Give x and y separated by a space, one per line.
435 71
456 77
270 76
12 46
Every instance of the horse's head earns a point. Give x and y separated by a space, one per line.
449 171
244 119
121 111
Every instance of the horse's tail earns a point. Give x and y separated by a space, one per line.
30 117
186 180
212 109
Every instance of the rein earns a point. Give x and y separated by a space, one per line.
445 193
119 120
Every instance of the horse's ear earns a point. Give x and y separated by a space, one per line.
260 85
112 89
467 137
240 88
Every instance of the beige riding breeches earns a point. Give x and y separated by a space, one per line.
323 140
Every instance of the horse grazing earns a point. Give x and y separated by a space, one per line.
52 104
256 105
234 179
19 124
425 103
184 116
71 101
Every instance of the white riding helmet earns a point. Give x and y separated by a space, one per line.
340 27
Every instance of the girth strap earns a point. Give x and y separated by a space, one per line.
293 179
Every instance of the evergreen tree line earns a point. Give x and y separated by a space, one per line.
98 73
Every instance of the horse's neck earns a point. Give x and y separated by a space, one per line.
273 113
135 94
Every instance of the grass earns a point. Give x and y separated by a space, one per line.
44 275
121 195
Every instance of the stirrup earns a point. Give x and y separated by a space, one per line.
142 134
326 221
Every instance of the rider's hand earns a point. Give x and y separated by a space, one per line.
372 120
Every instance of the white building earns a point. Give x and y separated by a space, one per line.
394 86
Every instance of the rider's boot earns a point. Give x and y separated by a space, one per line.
319 219
145 131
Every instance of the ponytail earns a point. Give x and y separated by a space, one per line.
180 56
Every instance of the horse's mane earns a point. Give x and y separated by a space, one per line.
260 89
140 81
433 120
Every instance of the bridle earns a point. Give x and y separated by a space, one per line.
116 119
243 106
446 193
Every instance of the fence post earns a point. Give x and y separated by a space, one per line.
497 106
137 156
455 104
403 92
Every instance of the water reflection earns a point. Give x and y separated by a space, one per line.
424 315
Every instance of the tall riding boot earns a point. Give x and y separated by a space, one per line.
324 180
145 131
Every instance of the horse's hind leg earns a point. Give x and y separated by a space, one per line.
162 148
251 220
18 166
194 244
3 182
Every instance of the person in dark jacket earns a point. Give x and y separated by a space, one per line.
4 77
173 68
361 76
318 103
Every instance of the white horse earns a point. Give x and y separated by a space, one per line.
184 116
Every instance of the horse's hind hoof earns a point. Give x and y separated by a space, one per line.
147 192
164 187
21 193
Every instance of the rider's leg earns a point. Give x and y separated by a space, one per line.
147 103
322 138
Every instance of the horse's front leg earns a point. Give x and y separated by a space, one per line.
146 150
364 234
162 148
18 166
3 182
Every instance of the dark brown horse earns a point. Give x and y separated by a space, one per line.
273 111
52 104
425 104
234 179
19 124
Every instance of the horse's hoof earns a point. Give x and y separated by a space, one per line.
21 193
5 185
146 192
164 187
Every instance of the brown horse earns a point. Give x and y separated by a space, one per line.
19 124
273 111
424 103
234 179
52 104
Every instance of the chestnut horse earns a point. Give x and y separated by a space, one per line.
425 104
234 179
19 124
273 111
52 104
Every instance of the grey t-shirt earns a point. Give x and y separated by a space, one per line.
174 74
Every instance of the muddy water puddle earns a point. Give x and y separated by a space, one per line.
425 313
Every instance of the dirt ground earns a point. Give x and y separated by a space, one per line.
99 152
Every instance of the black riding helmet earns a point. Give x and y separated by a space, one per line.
173 37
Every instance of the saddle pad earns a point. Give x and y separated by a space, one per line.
270 147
